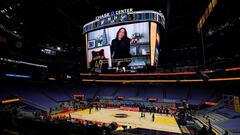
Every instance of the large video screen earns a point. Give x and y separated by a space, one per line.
119 46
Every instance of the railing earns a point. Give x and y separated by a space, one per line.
216 129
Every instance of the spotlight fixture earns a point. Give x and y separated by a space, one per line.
58 48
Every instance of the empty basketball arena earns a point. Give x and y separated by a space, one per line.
139 67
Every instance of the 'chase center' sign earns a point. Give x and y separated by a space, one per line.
124 16
113 13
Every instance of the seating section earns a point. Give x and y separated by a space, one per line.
36 97
147 92
90 91
50 94
59 93
29 108
127 92
228 113
221 118
106 91
45 95
198 95
195 96
141 92
232 125
176 93
201 93
6 92
216 118
195 102
69 90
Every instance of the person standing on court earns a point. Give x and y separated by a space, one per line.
153 117
90 110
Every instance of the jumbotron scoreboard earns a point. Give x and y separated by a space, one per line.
139 48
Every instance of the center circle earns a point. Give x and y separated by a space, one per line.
120 115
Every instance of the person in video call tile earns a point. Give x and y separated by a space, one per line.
120 48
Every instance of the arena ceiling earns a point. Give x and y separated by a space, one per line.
62 20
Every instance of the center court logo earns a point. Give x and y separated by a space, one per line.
120 115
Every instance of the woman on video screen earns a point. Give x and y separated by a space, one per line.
120 48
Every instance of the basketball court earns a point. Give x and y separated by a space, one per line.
129 118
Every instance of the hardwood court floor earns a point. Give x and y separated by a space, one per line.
161 123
